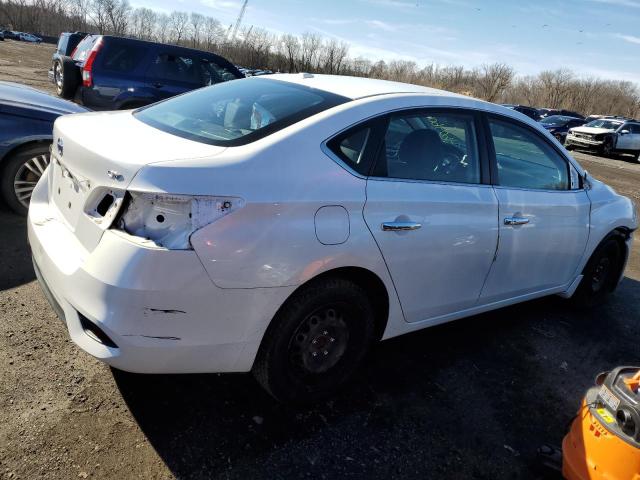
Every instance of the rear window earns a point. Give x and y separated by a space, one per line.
237 112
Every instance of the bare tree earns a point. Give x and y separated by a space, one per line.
258 48
178 22
555 86
290 46
98 14
197 24
213 32
162 27
309 51
333 55
492 80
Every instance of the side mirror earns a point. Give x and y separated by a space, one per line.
586 183
624 132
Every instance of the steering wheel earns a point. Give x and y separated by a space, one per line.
453 159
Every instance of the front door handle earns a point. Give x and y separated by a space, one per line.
515 221
400 226
158 85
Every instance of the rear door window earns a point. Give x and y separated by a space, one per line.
176 68
430 145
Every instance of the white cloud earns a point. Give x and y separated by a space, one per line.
622 3
628 38
222 4
393 3
387 27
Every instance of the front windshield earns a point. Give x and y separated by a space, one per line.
600 123
556 120
237 112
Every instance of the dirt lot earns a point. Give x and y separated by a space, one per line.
471 399
26 63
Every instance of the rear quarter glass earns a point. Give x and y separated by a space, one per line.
84 47
121 56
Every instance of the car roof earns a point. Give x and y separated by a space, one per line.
356 87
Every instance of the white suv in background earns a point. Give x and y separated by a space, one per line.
606 136
283 225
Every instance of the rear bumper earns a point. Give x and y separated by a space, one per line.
158 307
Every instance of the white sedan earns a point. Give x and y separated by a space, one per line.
283 225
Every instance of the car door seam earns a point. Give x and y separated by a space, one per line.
364 219
495 252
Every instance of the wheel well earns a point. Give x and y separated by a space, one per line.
23 146
370 283
620 235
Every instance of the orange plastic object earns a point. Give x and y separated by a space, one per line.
590 451
633 382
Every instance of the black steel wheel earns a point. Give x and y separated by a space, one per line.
600 275
316 342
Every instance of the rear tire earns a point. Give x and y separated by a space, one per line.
600 275
316 341
20 173
66 76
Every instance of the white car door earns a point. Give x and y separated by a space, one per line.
432 216
544 214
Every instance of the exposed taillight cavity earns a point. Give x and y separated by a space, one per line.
87 79
168 221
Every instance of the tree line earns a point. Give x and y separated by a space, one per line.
256 47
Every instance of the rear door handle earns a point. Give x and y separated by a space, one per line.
515 221
400 226
157 84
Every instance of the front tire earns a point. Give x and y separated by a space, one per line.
607 148
600 275
20 173
316 341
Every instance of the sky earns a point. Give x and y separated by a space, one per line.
591 37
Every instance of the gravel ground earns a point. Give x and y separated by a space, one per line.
470 399
26 63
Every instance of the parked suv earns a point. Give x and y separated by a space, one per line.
67 43
113 73
547 112
607 136
559 125
530 112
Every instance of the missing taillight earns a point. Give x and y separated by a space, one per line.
105 204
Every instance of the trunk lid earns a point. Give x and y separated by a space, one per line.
98 154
